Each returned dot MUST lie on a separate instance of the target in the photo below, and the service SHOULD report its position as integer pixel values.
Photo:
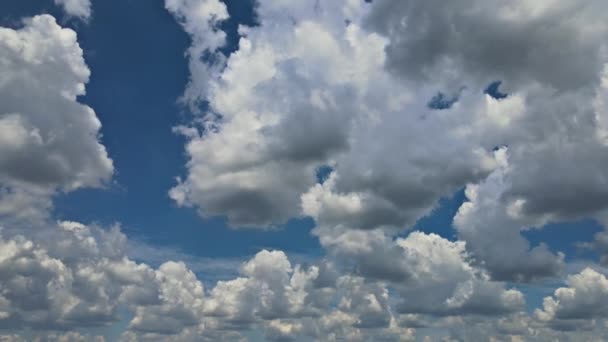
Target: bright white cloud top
(344, 84)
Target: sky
(269, 170)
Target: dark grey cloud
(492, 40)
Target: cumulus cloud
(43, 74)
(180, 297)
(551, 116)
(430, 274)
(286, 301)
(344, 85)
(60, 276)
(550, 42)
(599, 245)
(393, 157)
(356, 98)
(492, 231)
(79, 276)
(76, 8)
(201, 19)
(578, 305)
(254, 156)
(65, 276)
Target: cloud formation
(356, 97)
(578, 305)
(252, 157)
(346, 86)
(48, 140)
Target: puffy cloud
(577, 305)
(21, 204)
(269, 288)
(76, 8)
(254, 156)
(492, 231)
(430, 274)
(66, 276)
(444, 281)
(277, 330)
(360, 92)
(315, 85)
(552, 118)
(180, 299)
(287, 302)
(547, 130)
(599, 245)
(551, 42)
(364, 112)
(43, 73)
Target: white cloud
(66, 276)
(43, 73)
(278, 330)
(557, 43)
(355, 97)
(256, 156)
(201, 19)
(578, 305)
(76, 8)
(344, 84)
(429, 274)
(444, 282)
(552, 120)
(181, 299)
(492, 231)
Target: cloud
(66, 276)
(211, 268)
(444, 282)
(429, 274)
(61, 276)
(254, 156)
(181, 298)
(557, 123)
(552, 64)
(375, 68)
(517, 42)
(39, 152)
(344, 85)
(576, 306)
(201, 20)
(492, 231)
(365, 112)
(76, 8)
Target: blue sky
(397, 181)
